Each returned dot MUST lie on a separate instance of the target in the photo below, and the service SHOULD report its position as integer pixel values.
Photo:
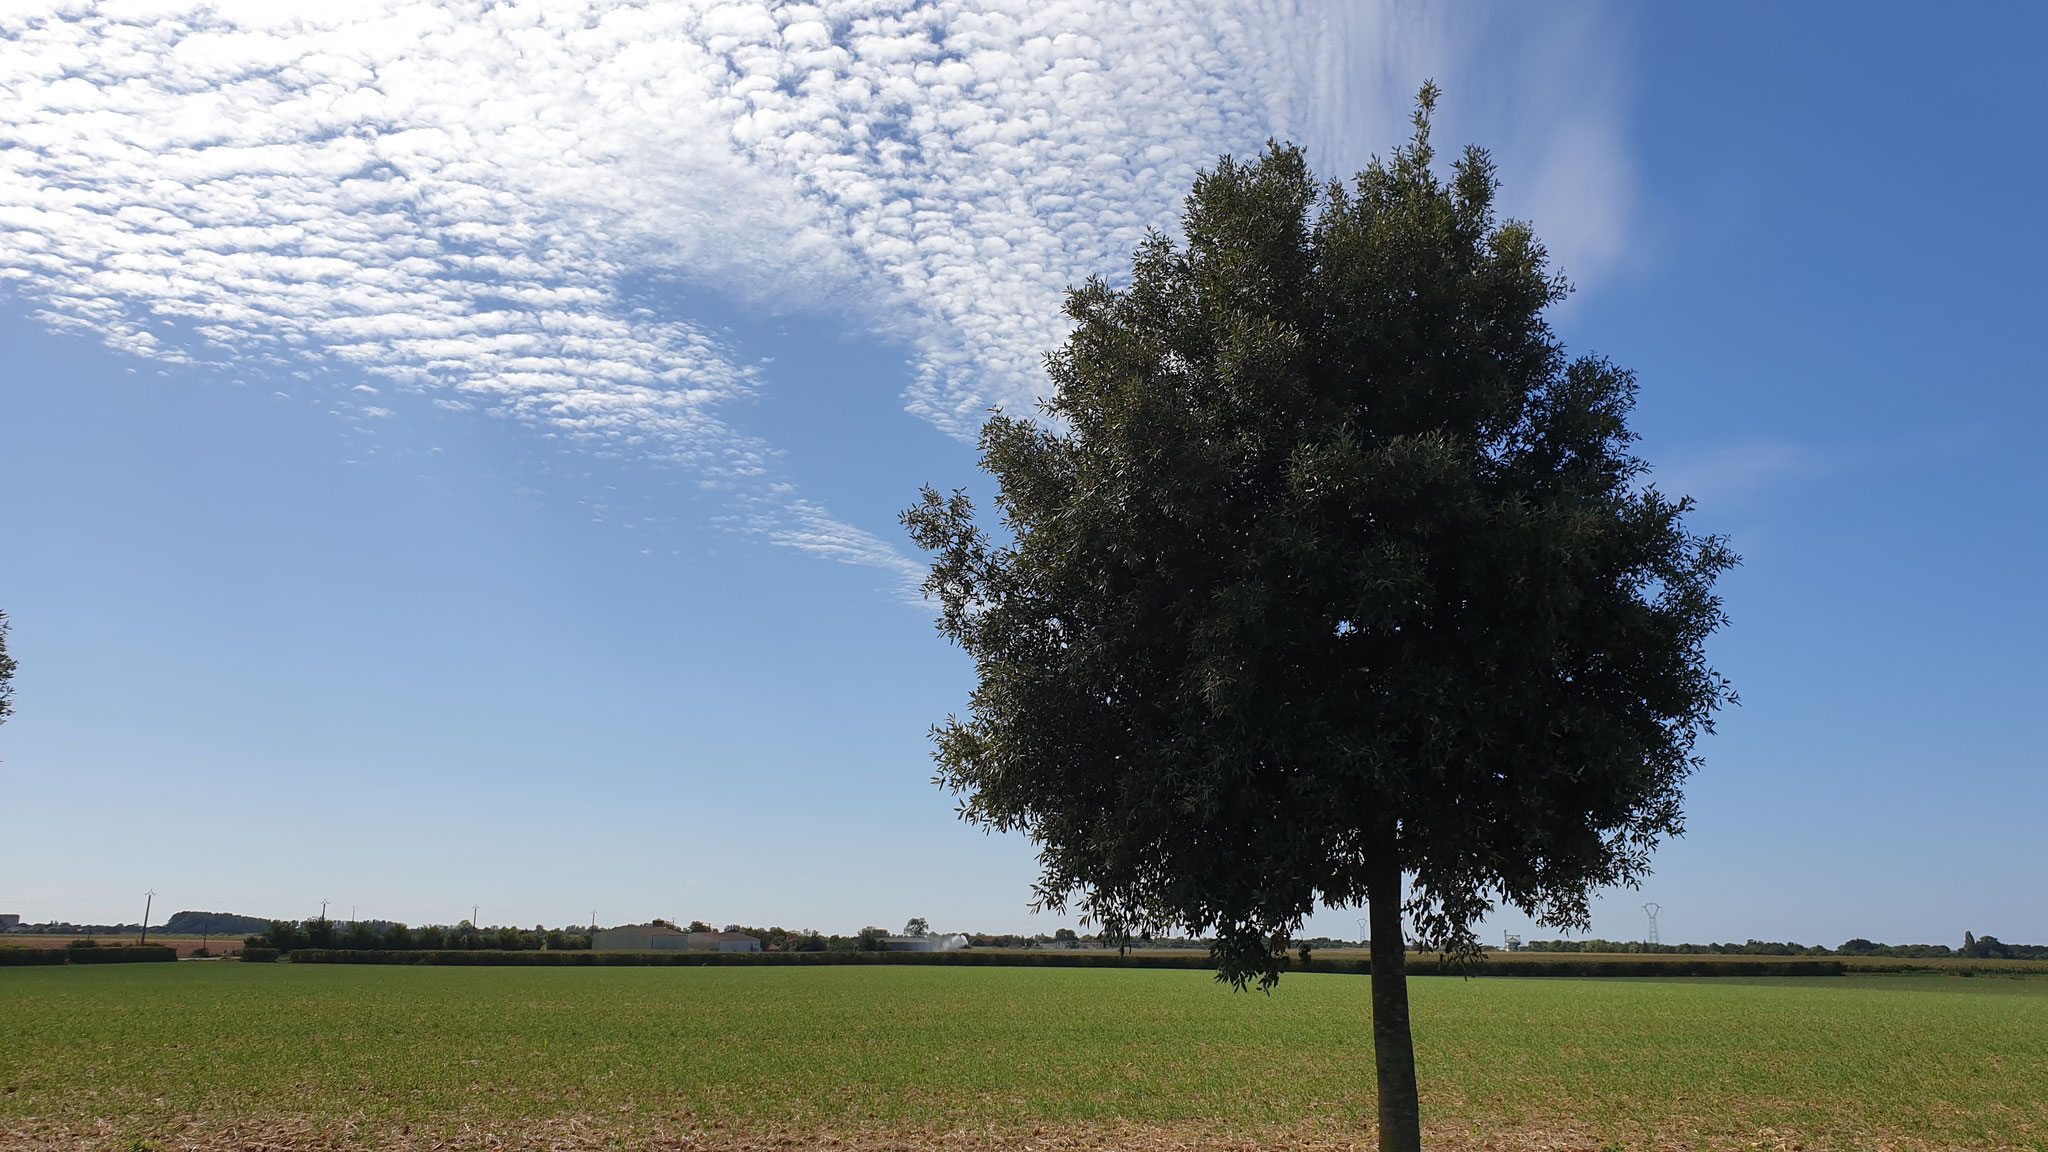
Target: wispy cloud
(1732, 472)
(1545, 88)
(450, 195)
(788, 520)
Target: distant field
(232, 1055)
(186, 945)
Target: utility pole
(147, 901)
(323, 908)
(351, 915)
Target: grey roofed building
(639, 938)
(663, 938)
(9, 920)
(723, 942)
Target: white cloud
(452, 195)
(1545, 88)
(1731, 473)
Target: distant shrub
(122, 954)
(89, 954)
(256, 954)
(283, 935)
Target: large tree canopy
(1329, 567)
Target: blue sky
(451, 454)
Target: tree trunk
(1393, 1045)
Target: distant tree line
(871, 938)
(1974, 948)
(868, 939)
(67, 928)
(1637, 947)
(211, 924)
(319, 932)
(1991, 948)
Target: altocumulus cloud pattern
(452, 196)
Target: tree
(284, 935)
(1329, 572)
(1985, 948)
(7, 667)
(918, 926)
(318, 932)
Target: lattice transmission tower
(1651, 911)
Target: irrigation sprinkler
(1651, 911)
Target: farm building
(662, 938)
(723, 942)
(9, 920)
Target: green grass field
(1856, 1062)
